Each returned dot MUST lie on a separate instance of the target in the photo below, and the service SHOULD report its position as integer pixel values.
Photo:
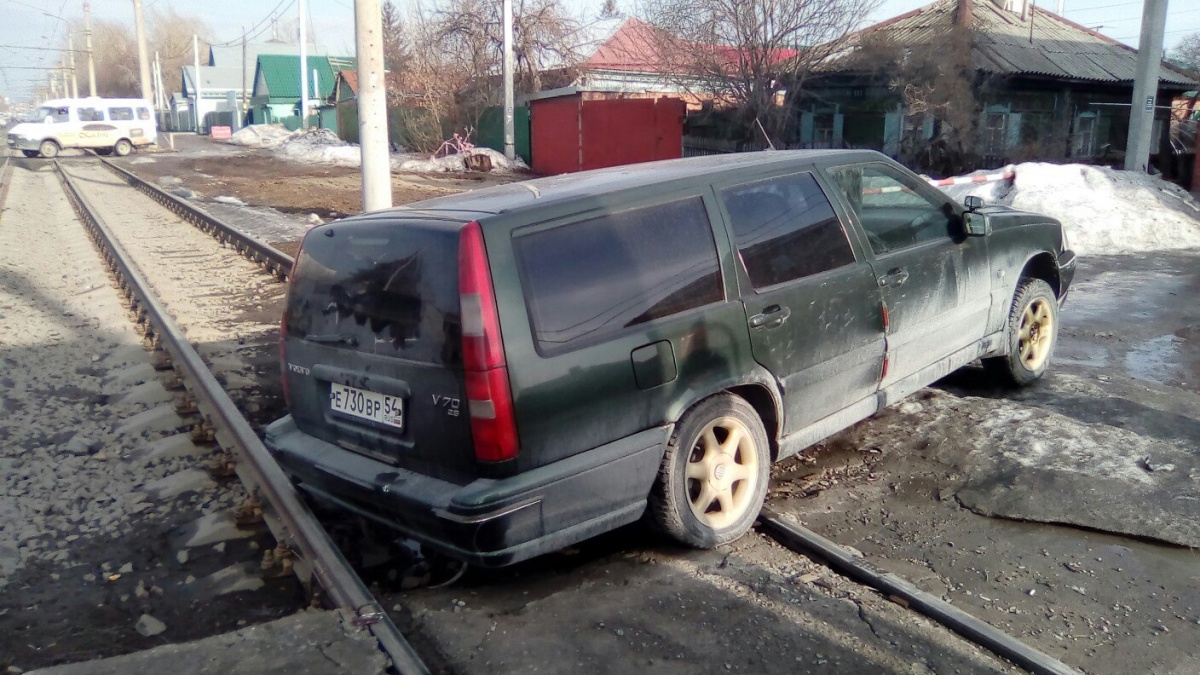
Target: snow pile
(458, 163)
(319, 146)
(322, 146)
(260, 136)
(1104, 211)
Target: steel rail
(276, 261)
(802, 540)
(257, 469)
(5, 177)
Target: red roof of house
(633, 46)
(351, 78)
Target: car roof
(521, 195)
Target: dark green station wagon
(505, 372)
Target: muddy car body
(507, 371)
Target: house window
(995, 133)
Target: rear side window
(590, 279)
(90, 114)
(143, 113)
(785, 229)
(120, 114)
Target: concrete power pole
(372, 106)
(196, 81)
(71, 57)
(303, 68)
(509, 133)
(87, 32)
(1145, 86)
(139, 25)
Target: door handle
(895, 277)
(772, 316)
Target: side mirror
(972, 202)
(976, 224)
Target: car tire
(122, 148)
(1031, 334)
(30, 153)
(48, 149)
(711, 486)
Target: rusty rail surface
(290, 520)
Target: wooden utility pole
(87, 32)
(139, 25)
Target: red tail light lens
(489, 399)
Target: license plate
(368, 405)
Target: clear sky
(36, 23)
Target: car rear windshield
(587, 280)
(387, 287)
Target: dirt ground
(213, 169)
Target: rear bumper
(487, 522)
(1067, 262)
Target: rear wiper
(333, 339)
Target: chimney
(1024, 10)
(962, 15)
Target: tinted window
(589, 279)
(90, 114)
(785, 229)
(54, 114)
(120, 114)
(894, 213)
(380, 286)
(143, 113)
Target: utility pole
(1145, 86)
(509, 134)
(243, 115)
(139, 25)
(53, 86)
(87, 32)
(303, 68)
(372, 106)
(71, 56)
(196, 81)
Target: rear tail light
(489, 399)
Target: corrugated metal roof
(231, 56)
(281, 73)
(1043, 44)
(214, 81)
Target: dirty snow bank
(323, 147)
(1104, 211)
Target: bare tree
(395, 51)
(1187, 52)
(115, 50)
(753, 55)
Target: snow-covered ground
(322, 146)
(1104, 211)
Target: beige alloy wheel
(1036, 335)
(722, 473)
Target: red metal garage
(574, 130)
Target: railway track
(291, 522)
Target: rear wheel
(713, 478)
(1031, 334)
(30, 153)
(48, 149)
(122, 148)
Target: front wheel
(122, 148)
(713, 478)
(1031, 333)
(48, 149)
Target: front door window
(895, 212)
